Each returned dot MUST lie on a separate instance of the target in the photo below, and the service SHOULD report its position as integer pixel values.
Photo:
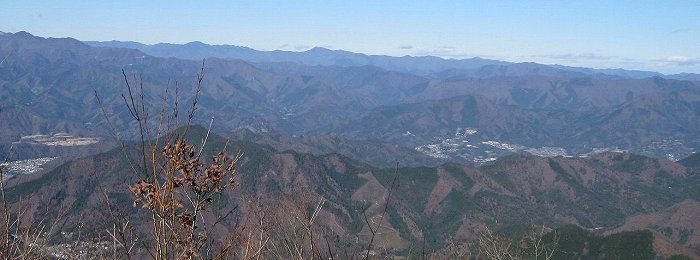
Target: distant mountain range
(420, 65)
(48, 84)
(315, 57)
(332, 123)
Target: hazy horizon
(633, 35)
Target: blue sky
(649, 35)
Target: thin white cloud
(444, 52)
(678, 60)
(406, 47)
(573, 56)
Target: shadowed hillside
(435, 203)
(49, 83)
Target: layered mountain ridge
(450, 201)
(48, 84)
(421, 65)
(480, 143)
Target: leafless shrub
(535, 247)
(175, 185)
(531, 246)
(19, 238)
(289, 226)
(375, 229)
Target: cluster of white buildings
(28, 166)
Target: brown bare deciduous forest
(122, 150)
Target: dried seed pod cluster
(182, 187)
